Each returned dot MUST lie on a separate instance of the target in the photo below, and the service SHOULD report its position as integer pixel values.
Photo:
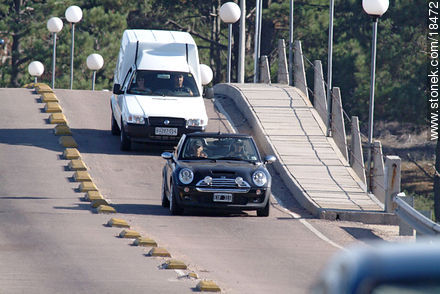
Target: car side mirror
(209, 93)
(167, 155)
(117, 89)
(269, 159)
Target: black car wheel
(125, 140)
(165, 201)
(115, 129)
(175, 209)
(265, 210)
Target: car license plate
(165, 131)
(222, 197)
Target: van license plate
(165, 131)
(222, 197)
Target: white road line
(306, 224)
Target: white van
(157, 92)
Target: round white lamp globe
(375, 7)
(73, 14)
(230, 12)
(36, 68)
(95, 61)
(206, 74)
(54, 24)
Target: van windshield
(163, 83)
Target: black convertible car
(216, 170)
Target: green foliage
(401, 61)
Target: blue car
(383, 268)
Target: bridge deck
(294, 129)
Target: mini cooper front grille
(223, 185)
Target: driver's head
(178, 80)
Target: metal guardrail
(415, 219)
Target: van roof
(159, 36)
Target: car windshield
(163, 83)
(220, 148)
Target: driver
(178, 85)
(198, 151)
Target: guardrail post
(264, 70)
(392, 180)
(378, 182)
(299, 73)
(404, 228)
(319, 98)
(283, 73)
(338, 125)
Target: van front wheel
(125, 140)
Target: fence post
(392, 180)
(299, 78)
(319, 98)
(264, 70)
(338, 125)
(378, 172)
(283, 73)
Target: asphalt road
(52, 242)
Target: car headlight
(186, 176)
(195, 122)
(135, 119)
(259, 178)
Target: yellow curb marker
(53, 107)
(159, 251)
(208, 286)
(106, 209)
(117, 222)
(93, 195)
(62, 130)
(146, 242)
(87, 186)
(68, 141)
(58, 118)
(77, 164)
(96, 203)
(49, 97)
(193, 275)
(129, 234)
(175, 264)
(82, 176)
(71, 153)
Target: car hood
(187, 107)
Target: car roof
(218, 135)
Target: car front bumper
(240, 201)
(146, 133)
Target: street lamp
(375, 8)
(54, 25)
(94, 62)
(229, 13)
(73, 15)
(35, 69)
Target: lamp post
(35, 69)
(241, 43)
(94, 62)
(329, 69)
(73, 15)
(229, 13)
(258, 16)
(375, 8)
(54, 25)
